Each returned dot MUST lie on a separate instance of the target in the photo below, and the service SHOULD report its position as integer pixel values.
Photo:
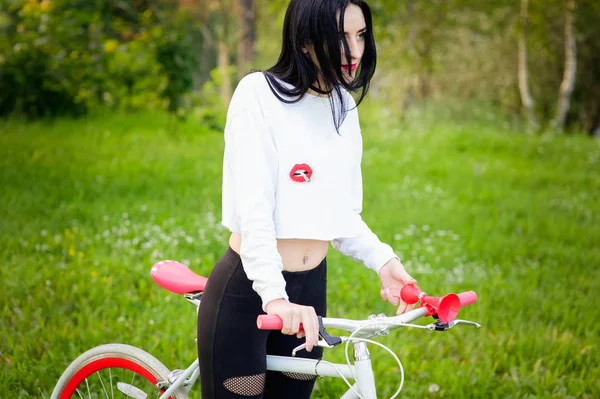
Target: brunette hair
(321, 23)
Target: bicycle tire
(108, 357)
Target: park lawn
(88, 205)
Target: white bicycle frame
(361, 371)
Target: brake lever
(328, 341)
(439, 326)
(322, 343)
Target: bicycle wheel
(113, 370)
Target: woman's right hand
(292, 316)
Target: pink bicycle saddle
(177, 277)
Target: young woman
(291, 184)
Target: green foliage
(468, 203)
(209, 108)
(61, 57)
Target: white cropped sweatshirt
(287, 173)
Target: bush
(61, 57)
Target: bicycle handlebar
(467, 298)
(270, 322)
(367, 327)
(274, 322)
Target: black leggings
(232, 350)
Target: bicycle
(85, 374)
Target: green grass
(87, 206)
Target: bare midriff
(297, 254)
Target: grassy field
(87, 206)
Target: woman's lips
(351, 68)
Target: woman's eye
(361, 36)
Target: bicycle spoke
(112, 392)
(132, 378)
(88, 387)
(79, 393)
(102, 383)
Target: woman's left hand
(393, 277)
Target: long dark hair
(316, 22)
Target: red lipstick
(351, 68)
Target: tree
(568, 82)
(526, 98)
(247, 36)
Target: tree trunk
(247, 36)
(223, 58)
(526, 98)
(568, 82)
(223, 62)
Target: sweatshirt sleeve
(364, 246)
(254, 165)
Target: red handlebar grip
(467, 298)
(268, 322)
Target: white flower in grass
(434, 388)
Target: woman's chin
(349, 77)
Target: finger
(301, 334)
(287, 324)
(383, 294)
(391, 298)
(295, 326)
(407, 279)
(401, 308)
(315, 321)
(311, 328)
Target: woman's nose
(354, 49)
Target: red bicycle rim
(97, 365)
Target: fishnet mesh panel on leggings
(298, 376)
(250, 385)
